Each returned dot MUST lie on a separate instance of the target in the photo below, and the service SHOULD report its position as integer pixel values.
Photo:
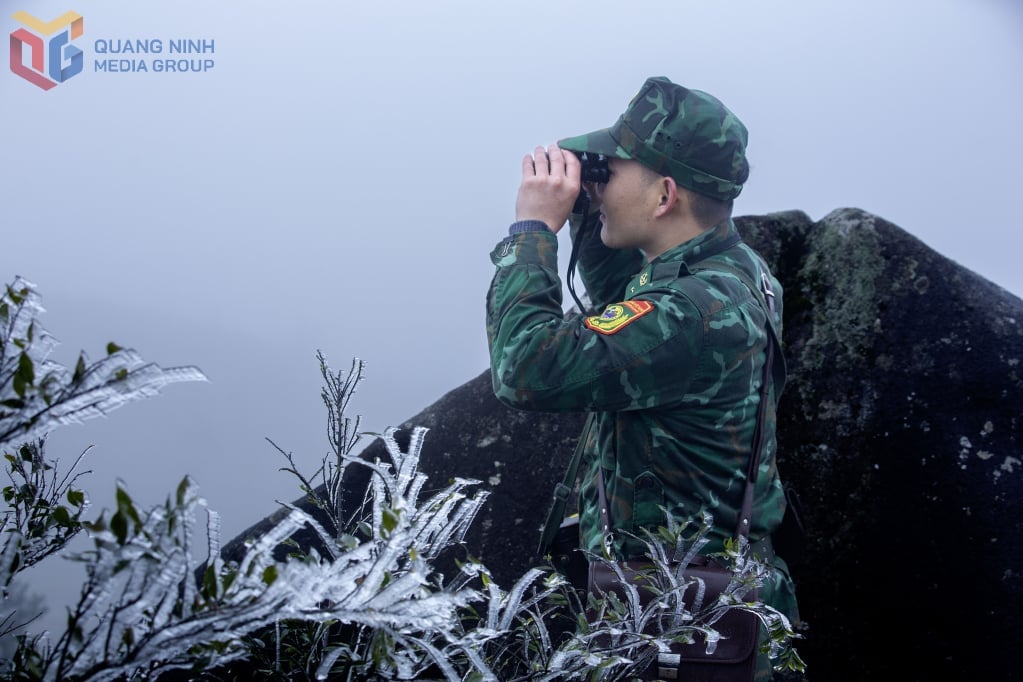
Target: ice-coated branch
(37, 394)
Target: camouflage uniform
(672, 367)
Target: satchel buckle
(668, 665)
(561, 492)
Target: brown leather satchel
(733, 657)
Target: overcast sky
(337, 178)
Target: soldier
(670, 363)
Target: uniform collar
(674, 261)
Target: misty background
(338, 179)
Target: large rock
(900, 431)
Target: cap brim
(598, 142)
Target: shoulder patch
(617, 315)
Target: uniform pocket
(647, 502)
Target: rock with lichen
(901, 430)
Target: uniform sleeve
(605, 272)
(637, 354)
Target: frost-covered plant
(141, 611)
(42, 513)
(42, 509)
(343, 435)
(38, 394)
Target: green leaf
(112, 348)
(73, 628)
(269, 575)
(75, 497)
(62, 516)
(182, 489)
(390, 520)
(79, 369)
(209, 582)
(119, 526)
(26, 368)
(128, 638)
(121, 374)
(126, 506)
(97, 526)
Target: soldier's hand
(550, 185)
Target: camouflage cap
(675, 131)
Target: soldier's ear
(668, 197)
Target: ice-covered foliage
(41, 513)
(42, 508)
(38, 394)
(143, 611)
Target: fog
(336, 178)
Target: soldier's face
(627, 204)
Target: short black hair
(709, 211)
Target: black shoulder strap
(561, 492)
(773, 363)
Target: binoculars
(594, 167)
